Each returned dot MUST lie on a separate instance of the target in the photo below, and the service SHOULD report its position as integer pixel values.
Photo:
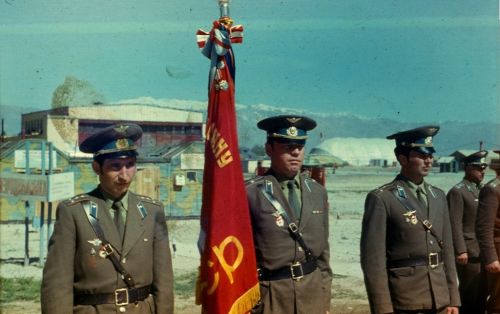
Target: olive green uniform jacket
(275, 248)
(462, 203)
(388, 234)
(488, 235)
(74, 266)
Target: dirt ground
(347, 189)
(342, 307)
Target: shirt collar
(109, 199)
(283, 181)
(414, 187)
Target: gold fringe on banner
(247, 301)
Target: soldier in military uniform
(462, 202)
(109, 252)
(406, 244)
(488, 235)
(289, 213)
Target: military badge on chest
(94, 250)
(411, 217)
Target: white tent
(359, 151)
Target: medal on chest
(280, 222)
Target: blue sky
(412, 60)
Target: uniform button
(300, 249)
(124, 260)
(122, 309)
(146, 240)
(431, 242)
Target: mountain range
(453, 135)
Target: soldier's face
(116, 175)
(475, 173)
(286, 159)
(416, 165)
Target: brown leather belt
(433, 260)
(119, 297)
(295, 271)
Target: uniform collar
(472, 184)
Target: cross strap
(400, 194)
(293, 229)
(106, 246)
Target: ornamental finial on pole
(224, 13)
(224, 7)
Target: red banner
(227, 280)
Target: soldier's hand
(462, 259)
(452, 310)
(493, 267)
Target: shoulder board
(76, 199)
(148, 199)
(459, 185)
(384, 187)
(254, 180)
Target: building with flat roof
(67, 127)
(170, 162)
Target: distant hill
(453, 135)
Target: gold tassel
(247, 301)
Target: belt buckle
(295, 266)
(293, 227)
(433, 260)
(119, 293)
(107, 249)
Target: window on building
(191, 176)
(193, 130)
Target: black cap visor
(119, 154)
(424, 150)
(284, 140)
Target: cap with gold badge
(287, 128)
(114, 141)
(476, 159)
(418, 139)
(495, 162)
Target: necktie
(118, 218)
(293, 198)
(421, 197)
